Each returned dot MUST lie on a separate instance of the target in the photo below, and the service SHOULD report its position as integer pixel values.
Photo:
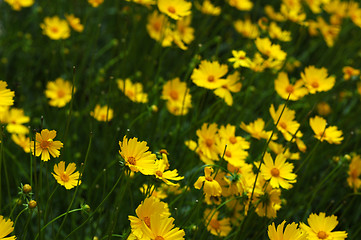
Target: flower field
(179, 119)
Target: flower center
(54, 29)
(130, 93)
(209, 178)
(64, 177)
(315, 85)
(322, 235)
(233, 139)
(228, 154)
(209, 142)
(131, 160)
(354, 174)
(159, 238)
(283, 125)
(61, 93)
(211, 78)
(215, 224)
(157, 26)
(174, 95)
(241, 57)
(290, 89)
(46, 144)
(147, 221)
(171, 9)
(275, 172)
(159, 173)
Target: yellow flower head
(239, 59)
(166, 175)
(207, 136)
(284, 88)
(66, 177)
(45, 144)
(323, 108)
(256, 129)
(269, 201)
(217, 227)
(162, 228)
(18, 4)
(292, 232)
(276, 32)
(175, 9)
(317, 80)
(331, 134)
(208, 8)
(321, 227)
(246, 28)
(211, 186)
(22, 141)
(354, 173)
(242, 5)
(6, 227)
(133, 91)
(137, 157)
(55, 28)
(272, 51)
(102, 114)
(178, 97)
(184, 30)
(59, 92)
(158, 28)
(74, 22)
(209, 74)
(95, 3)
(6, 96)
(15, 118)
(146, 3)
(349, 72)
(231, 84)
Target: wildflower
(184, 30)
(239, 59)
(74, 22)
(59, 92)
(229, 134)
(207, 140)
(242, 5)
(66, 177)
(102, 114)
(193, 146)
(32, 204)
(95, 3)
(158, 28)
(6, 227)
(349, 72)
(55, 28)
(234, 153)
(216, 227)
(44, 145)
(279, 149)
(293, 13)
(210, 186)
(279, 172)
(276, 32)
(329, 32)
(6, 96)
(163, 228)
(273, 51)
(18, 4)
(246, 28)
(159, 193)
(27, 188)
(177, 95)
(323, 108)
(256, 129)
(316, 80)
(331, 134)
(22, 141)
(231, 84)
(272, 14)
(354, 173)
(133, 91)
(286, 90)
(137, 157)
(175, 9)
(292, 232)
(209, 74)
(164, 175)
(269, 202)
(321, 227)
(208, 8)
(15, 118)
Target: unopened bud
(32, 204)
(27, 188)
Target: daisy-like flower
(323, 108)
(134, 91)
(317, 80)
(66, 177)
(239, 59)
(279, 172)
(354, 173)
(184, 30)
(256, 129)
(22, 141)
(146, 3)
(284, 88)
(59, 92)
(15, 118)
(162, 228)
(349, 72)
(276, 32)
(18, 4)
(268, 200)
(208, 8)
(273, 51)
(55, 28)
(278, 149)
(44, 145)
(207, 136)
(177, 95)
(175, 9)
(246, 28)
(102, 114)
(74, 22)
(95, 3)
(6, 227)
(6, 96)
(231, 84)
(321, 227)
(331, 134)
(137, 157)
(217, 227)
(242, 5)
(291, 232)
(158, 28)
(166, 175)
(210, 186)
(209, 74)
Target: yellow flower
(292, 232)
(207, 136)
(133, 91)
(208, 8)
(177, 95)
(279, 172)
(102, 114)
(284, 88)
(317, 80)
(137, 157)
(184, 30)
(175, 9)
(239, 59)
(55, 28)
(74, 22)
(164, 175)
(269, 201)
(256, 129)
(321, 227)
(210, 186)
(272, 14)
(14, 119)
(323, 108)
(59, 92)
(6, 227)
(276, 32)
(231, 84)
(354, 173)
(159, 192)
(209, 74)
(95, 3)
(66, 177)
(279, 149)
(242, 5)
(331, 134)
(18, 4)
(22, 141)
(6, 96)
(216, 227)
(329, 32)
(273, 51)
(44, 145)
(349, 72)
(234, 154)
(293, 13)
(193, 146)
(158, 28)
(246, 28)
(162, 228)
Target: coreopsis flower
(331, 134)
(239, 59)
(228, 133)
(175, 9)
(272, 51)
(134, 91)
(184, 30)
(18, 4)
(286, 90)
(231, 84)
(280, 149)
(178, 97)
(269, 201)
(15, 118)
(279, 172)
(275, 32)
(74, 22)
(207, 136)
(291, 232)
(323, 108)
(66, 177)
(44, 144)
(217, 227)
(209, 74)
(233, 153)
(349, 72)
(163, 228)
(193, 146)
(328, 31)
(158, 28)
(95, 3)
(55, 28)
(22, 141)
(102, 114)
(6, 95)
(242, 5)
(246, 28)
(137, 157)
(272, 14)
(354, 173)
(354, 12)
(293, 13)
(256, 129)
(208, 8)
(321, 227)
(6, 227)
(59, 92)
(317, 80)
(166, 175)
(210, 186)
